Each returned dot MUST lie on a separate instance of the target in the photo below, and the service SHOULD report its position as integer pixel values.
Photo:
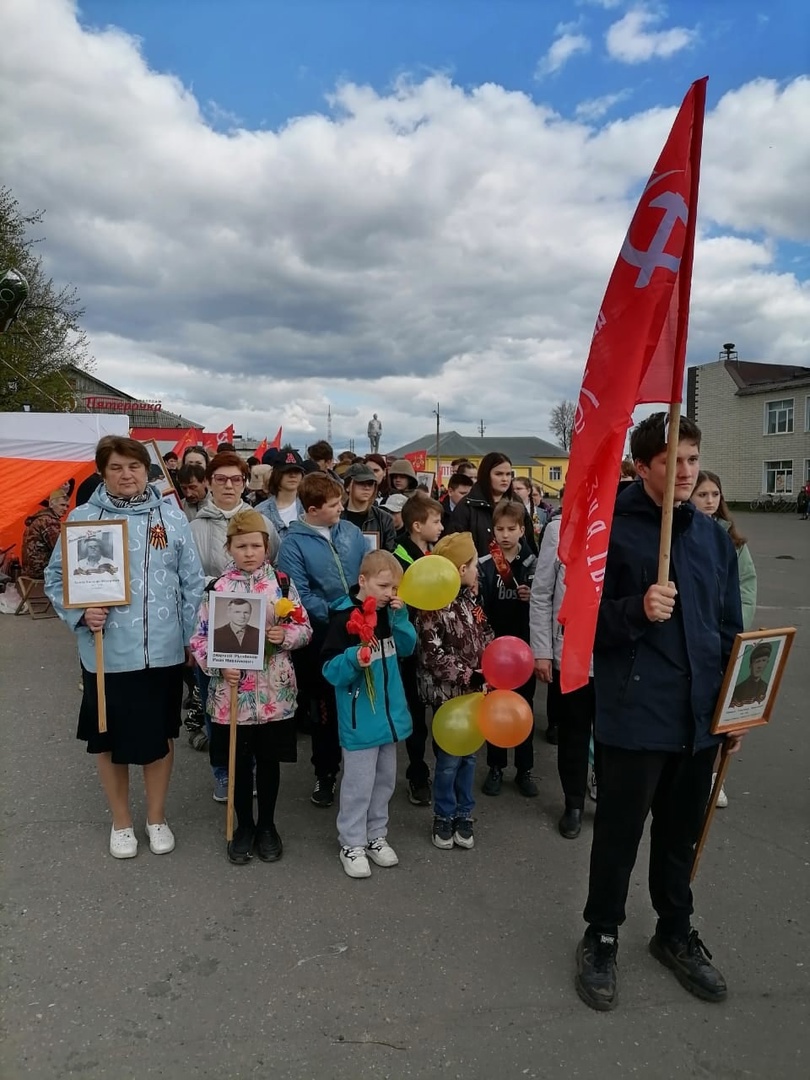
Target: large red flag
(637, 356)
(226, 435)
(188, 438)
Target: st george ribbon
(637, 357)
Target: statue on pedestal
(374, 433)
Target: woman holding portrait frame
(145, 640)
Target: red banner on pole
(418, 458)
(276, 443)
(261, 449)
(637, 356)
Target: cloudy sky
(378, 206)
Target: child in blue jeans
(451, 642)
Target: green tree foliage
(47, 337)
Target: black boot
(688, 958)
(269, 847)
(597, 977)
(240, 849)
(570, 824)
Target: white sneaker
(355, 862)
(161, 838)
(381, 852)
(123, 843)
(722, 798)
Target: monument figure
(374, 433)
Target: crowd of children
(360, 669)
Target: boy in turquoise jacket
(368, 631)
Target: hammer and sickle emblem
(675, 209)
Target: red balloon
(507, 663)
(505, 718)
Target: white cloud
(631, 41)
(426, 244)
(566, 46)
(595, 108)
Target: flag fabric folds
(637, 356)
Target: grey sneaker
(220, 790)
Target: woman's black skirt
(143, 713)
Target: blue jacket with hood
(657, 684)
(322, 570)
(362, 725)
(166, 585)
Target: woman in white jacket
(575, 711)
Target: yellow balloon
(455, 725)
(430, 583)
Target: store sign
(111, 404)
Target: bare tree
(561, 423)
(47, 337)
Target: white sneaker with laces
(722, 798)
(123, 843)
(381, 852)
(161, 838)
(355, 862)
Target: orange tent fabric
(38, 453)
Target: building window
(807, 470)
(807, 414)
(555, 472)
(779, 417)
(778, 477)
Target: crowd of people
(344, 659)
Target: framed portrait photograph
(158, 473)
(95, 563)
(752, 679)
(371, 540)
(425, 480)
(236, 623)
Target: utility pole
(438, 413)
(482, 427)
(351, 445)
(329, 424)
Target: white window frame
(807, 470)
(807, 413)
(777, 466)
(555, 473)
(788, 407)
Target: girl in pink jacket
(266, 699)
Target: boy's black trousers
(630, 785)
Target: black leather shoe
(688, 958)
(493, 782)
(269, 847)
(597, 978)
(240, 849)
(526, 785)
(570, 824)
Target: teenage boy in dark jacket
(659, 657)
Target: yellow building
(531, 456)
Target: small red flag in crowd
(637, 356)
(188, 438)
(261, 449)
(276, 443)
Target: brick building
(755, 420)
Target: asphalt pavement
(454, 964)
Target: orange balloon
(505, 718)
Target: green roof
(520, 448)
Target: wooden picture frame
(95, 563)
(752, 679)
(371, 540)
(158, 473)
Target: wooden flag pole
(100, 688)
(725, 761)
(668, 505)
(231, 765)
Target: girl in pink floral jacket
(266, 699)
